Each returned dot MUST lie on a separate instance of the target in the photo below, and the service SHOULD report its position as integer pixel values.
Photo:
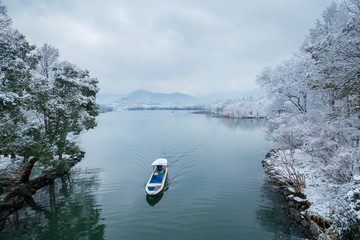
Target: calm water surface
(216, 187)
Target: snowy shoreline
(322, 201)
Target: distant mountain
(146, 100)
(142, 97)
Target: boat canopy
(160, 161)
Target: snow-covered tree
(240, 108)
(316, 102)
(16, 62)
(334, 46)
(316, 93)
(73, 106)
(49, 57)
(44, 103)
(43, 83)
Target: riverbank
(322, 205)
(228, 115)
(14, 198)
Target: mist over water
(216, 187)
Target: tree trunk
(46, 122)
(27, 172)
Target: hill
(142, 97)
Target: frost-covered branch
(43, 102)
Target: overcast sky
(189, 46)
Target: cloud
(182, 45)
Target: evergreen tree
(73, 107)
(43, 103)
(16, 62)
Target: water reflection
(243, 123)
(153, 200)
(273, 214)
(66, 209)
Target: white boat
(157, 179)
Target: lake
(216, 186)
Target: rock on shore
(313, 224)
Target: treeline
(248, 107)
(316, 95)
(44, 102)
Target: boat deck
(157, 178)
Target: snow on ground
(353, 198)
(9, 167)
(4, 162)
(321, 192)
(329, 198)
